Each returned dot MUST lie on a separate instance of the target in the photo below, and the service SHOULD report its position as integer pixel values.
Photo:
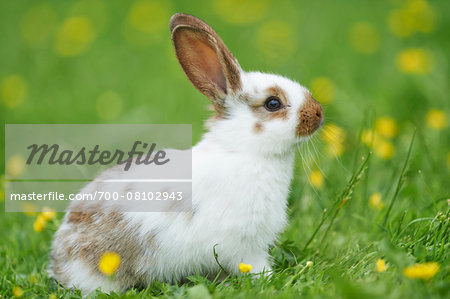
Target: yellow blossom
(316, 179)
(148, 16)
(29, 209)
(48, 213)
(376, 202)
(109, 263)
(368, 137)
(322, 90)
(436, 119)
(74, 36)
(384, 149)
(386, 127)
(334, 136)
(39, 224)
(423, 271)
(245, 268)
(38, 24)
(335, 150)
(17, 292)
(13, 91)
(401, 23)
(414, 16)
(364, 38)
(424, 15)
(146, 22)
(332, 133)
(381, 265)
(241, 12)
(15, 166)
(52, 296)
(415, 61)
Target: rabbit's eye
(273, 104)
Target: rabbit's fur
(241, 169)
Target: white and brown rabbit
(241, 173)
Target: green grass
(333, 226)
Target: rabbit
(241, 174)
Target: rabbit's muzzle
(310, 117)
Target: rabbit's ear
(205, 59)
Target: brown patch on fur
(258, 127)
(282, 113)
(109, 232)
(204, 58)
(311, 116)
(278, 92)
(81, 217)
(258, 109)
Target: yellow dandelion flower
(15, 166)
(276, 40)
(37, 24)
(335, 150)
(316, 179)
(39, 224)
(241, 12)
(436, 119)
(381, 266)
(422, 15)
(335, 137)
(109, 263)
(415, 16)
(364, 38)
(48, 213)
(148, 16)
(13, 91)
(333, 134)
(245, 268)
(423, 271)
(386, 127)
(368, 137)
(322, 90)
(17, 292)
(94, 10)
(376, 202)
(400, 23)
(33, 278)
(146, 22)
(415, 61)
(384, 149)
(74, 36)
(109, 105)
(29, 209)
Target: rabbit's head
(260, 112)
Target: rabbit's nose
(310, 117)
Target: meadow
(369, 203)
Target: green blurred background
(380, 69)
(94, 61)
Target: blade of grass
(346, 195)
(400, 181)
